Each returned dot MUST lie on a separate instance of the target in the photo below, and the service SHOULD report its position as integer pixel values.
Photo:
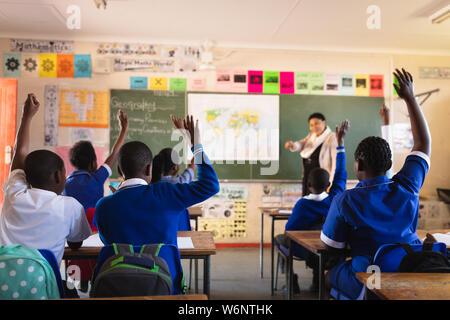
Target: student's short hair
(163, 162)
(317, 115)
(133, 157)
(40, 165)
(319, 179)
(82, 155)
(375, 153)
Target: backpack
(424, 261)
(26, 274)
(127, 274)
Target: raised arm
(22, 145)
(419, 126)
(123, 124)
(340, 174)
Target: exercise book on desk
(284, 211)
(185, 243)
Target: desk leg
(196, 223)
(321, 277)
(206, 275)
(272, 254)
(261, 246)
(290, 271)
(196, 275)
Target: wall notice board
(149, 122)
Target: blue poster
(82, 65)
(11, 65)
(138, 83)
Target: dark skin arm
(384, 114)
(21, 148)
(123, 123)
(419, 126)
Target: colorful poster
(126, 49)
(346, 84)
(63, 152)
(239, 82)
(159, 83)
(331, 83)
(362, 86)
(48, 46)
(65, 68)
(197, 84)
(11, 65)
(271, 82)
(188, 58)
(316, 83)
(30, 67)
(287, 84)
(224, 80)
(138, 83)
(302, 82)
(283, 195)
(82, 65)
(434, 72)
(255, 81)
(141, 65)
(178, 84)
(47, 65)
(51, 96)
(79, 134)
(376, 85)
(84, 108)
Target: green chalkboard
(149, 122)
(148, 115)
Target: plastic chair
(168, 252)
(50, 257)
(388, 258)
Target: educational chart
(51, 115)
(283, 195)
(225, 214)
(237, 127)
(83, 108)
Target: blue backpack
(26, 274)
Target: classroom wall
(436, 108)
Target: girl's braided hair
(375, 153)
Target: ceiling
(286, 24)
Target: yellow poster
(83, 108)
(47, 65)
(362, 85)
(158, 84)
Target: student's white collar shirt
(133, 182)
(39, 218)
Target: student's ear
(148, 170)
(389, 164)
(57, 177)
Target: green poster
(271, 82)
(178, 84)
(302, 82)
(316, 82)
(393, 88)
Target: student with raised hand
(34, 212)
(310, 211)
(141, 213)
(86, 183)
(378, 210)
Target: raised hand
(384, 114)
(123, 120)
(31, 106)
(405, 87)
(289, 145)
(341, 132)
(193, 129)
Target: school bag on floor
(423, 261)
(127, 274)
(26, 274)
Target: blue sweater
(310, 212)
(144, 214)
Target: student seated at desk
(165, 167)
(34, 212)
(142, 213)
(310, 211)
(378, 210)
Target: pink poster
(224, 80)
(255, 81)
(63, 152)
(240, 81)
(197, 84)
(287, 83)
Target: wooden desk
(273, 212)
(411, 286)
(171, 297)
(195, 212)
(204, 247)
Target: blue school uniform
(310, 211)
(184, 223)
(139, 213)
(87, 187)
(377, 211)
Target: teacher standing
(317, 150)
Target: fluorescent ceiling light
(440, 15)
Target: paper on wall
(51, 97)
